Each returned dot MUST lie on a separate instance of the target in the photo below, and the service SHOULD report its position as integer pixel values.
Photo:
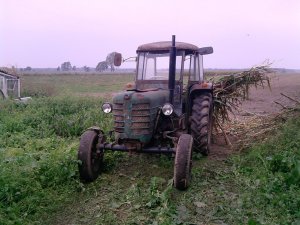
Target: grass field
(84, 84)
(76, 85)
(40, 183)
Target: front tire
(183, 162)
(201, 122)
(90, 158)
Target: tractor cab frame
(154, 61)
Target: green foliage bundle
(231, 90)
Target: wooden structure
(9, 85)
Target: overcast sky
(243, 33)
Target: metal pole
(172, 70)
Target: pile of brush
(231, 90)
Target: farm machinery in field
(167, 111)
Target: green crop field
(40, 183)
(97, 85)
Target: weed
(271, 187)
(38, 162)
(40, 184)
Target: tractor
(168, 110)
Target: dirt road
(262, 101)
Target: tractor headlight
(106, 107)
(167, 109)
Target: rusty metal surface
(146, 85)
(118, 115)
(140, 123)
(165, 46)
(135, 113)
(9, 73)
(201, 87)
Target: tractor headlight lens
(106, 107)
(167, 109)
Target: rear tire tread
(201, 122)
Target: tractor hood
(135, 113)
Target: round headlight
(106, 107)
(167, 109)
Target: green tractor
(168, 111)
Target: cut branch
(284, 107)
(231, 90)
(290, 98)
(224, 133)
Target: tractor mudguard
(96, 129)
(201, 87)
(197, 89)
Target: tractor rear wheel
(201, 122)
(183, 162)
(91, 158)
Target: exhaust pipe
(172, 70)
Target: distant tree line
(108, 63)
(101, 66)
(27, 68)
(66, 66)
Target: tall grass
(38, 145)
(37, 85)
(260, 186)
(270, 178)
(38, 172)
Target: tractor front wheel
(201, 122)
(90, 158)
(183, 162)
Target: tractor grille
(140, 122)
(118, 113)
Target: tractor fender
(200, 88)
(196, 89)
(96, 129)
